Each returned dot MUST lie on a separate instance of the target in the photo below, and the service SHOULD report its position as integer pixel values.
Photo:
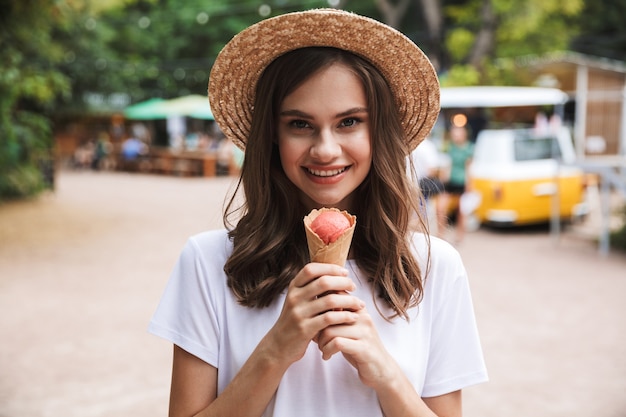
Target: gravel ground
(82, 269)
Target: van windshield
(530, 149)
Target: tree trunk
(392, 13)
(485, 39)
(433, 18)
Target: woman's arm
(447, 405)
(194, 386)
(399, 399)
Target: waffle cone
(335, 252)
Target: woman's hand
(317, 297)
(360, 344)
(306, 311)
(362, 347)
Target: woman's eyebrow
(352, 111)
(295, 112)
(302, 114)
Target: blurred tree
(393, 13)
(70, 54)
(602, 29)
(165, 48)
(433, 17)
(29, 84)
(483, 36)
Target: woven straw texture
(241, 62)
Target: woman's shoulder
(202, 260)
(436, 253)
(210, 237)
(424, 243)
(210, 243)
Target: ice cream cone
(335, 252)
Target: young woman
(327, 105)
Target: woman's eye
(299, 124)
(350, 122)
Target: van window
(530, 149)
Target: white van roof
(496, 145)
(490, 96)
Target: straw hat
(233, 79)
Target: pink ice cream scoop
(329, 225)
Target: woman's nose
(326, 147)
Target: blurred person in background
(84, 154)
(224, 156)
(102, 153)
(132, 152)
(460, 151)
(426, 163)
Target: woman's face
(458, 135)
(324, 137)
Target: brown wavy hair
(269, 239)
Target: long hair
(269, 239)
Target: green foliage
(155, 48)
(55, 54)
(26, 146)
(20, 175)
(522, 27)
(602, 29)
(535, 26)
(459, 42)
(460, 75)
(29, 86)
(22, 181)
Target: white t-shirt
(438, 348)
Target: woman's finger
(313, 270)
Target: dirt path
(81, 271)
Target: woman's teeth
(326, 173)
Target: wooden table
(183, 163)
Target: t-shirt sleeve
(186, 313)
(455, 358)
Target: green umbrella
(204, 113)
(147, 110)
(193, 105)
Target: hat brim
(238, 67)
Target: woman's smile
(326, 176)
(326, 172)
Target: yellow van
(520, 175)
(523, 177)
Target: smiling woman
(327, 105)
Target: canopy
(146, 110)
(487, 96)
(194, 105)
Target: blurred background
(72, 71)
(110, 158)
